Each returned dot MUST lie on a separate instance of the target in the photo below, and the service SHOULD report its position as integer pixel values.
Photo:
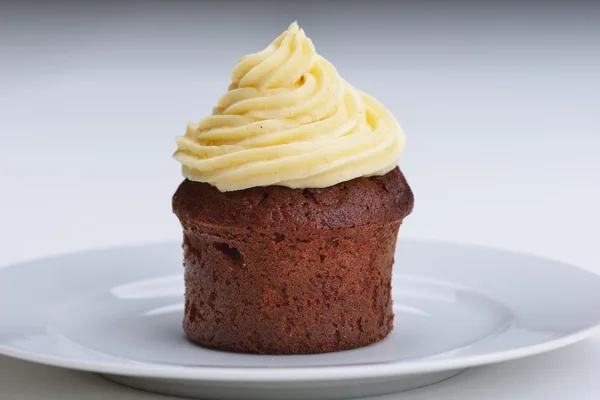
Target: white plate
(118, 312)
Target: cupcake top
(289, 119)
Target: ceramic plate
(118, 312)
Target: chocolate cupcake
(290, 209)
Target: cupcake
(290, 209)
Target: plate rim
(306, 374)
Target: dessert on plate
(290, 209)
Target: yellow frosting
(289, 119)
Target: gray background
(500, 102)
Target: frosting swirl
(289, 119)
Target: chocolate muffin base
(248, 292)
(291, 288)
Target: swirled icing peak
(289, 119)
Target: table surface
(501, 124)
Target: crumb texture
(312, 275)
